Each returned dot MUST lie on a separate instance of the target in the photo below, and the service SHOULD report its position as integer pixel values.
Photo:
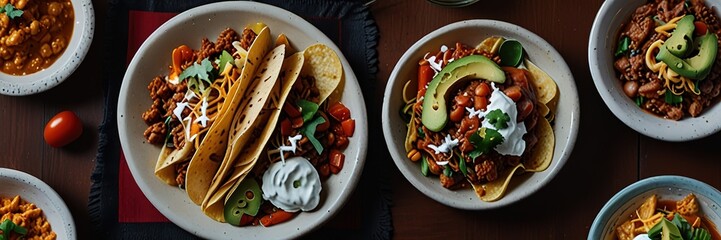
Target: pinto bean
(463, 101)
(480, 103)
(630, 88)
(457, 114)
(482, 90)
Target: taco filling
(189, 100)
(473, 122)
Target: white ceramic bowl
(35, 191)
(65, 65)
(153, 58)
(472, 32)
(625, 202)
(602, 43)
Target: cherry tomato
(337, 159)
(425, 75)
(700, 28)
(63, 129)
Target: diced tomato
(180, 55)
(348, 127)
(339, 111)
(337, 159)
(246, 219)
(285, 127)
(325, 125)
(291, 110)
(279, 216)
(425, 75)
(513, 92)
(700, 29)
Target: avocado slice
(680, 42)
(697, 66)
(434, 115)
(669, 230)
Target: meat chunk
(639, 31)
(155, 134)
(670, 10)
(247, 38)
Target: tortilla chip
(546, 88)
(542, 153)
(209, 155)
(494, 190)
(490, 44)
(323, 64)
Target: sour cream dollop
(293, 185)
(642, 237)
(513, 143)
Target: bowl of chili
(42, 43)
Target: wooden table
(608, 155)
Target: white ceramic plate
(625, 202)
(35, 191)
(602, 43)
(153, 59)
(65, 65)
(472, 32)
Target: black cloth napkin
(359, 39)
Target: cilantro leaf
(462, 165)
(498, 118)
(307, 109)
(309, 131)
(11, 11)
(8, 227)
(225, 58)
(484, 141)
(198, 70)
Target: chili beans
(37, 38)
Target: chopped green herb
(11, 11)
(198, 70)
(640, 100)
(307, 109)
(683, 226)
(700, 234)
(622, 46)
(8, 227)
(484, 141)
(225, 58)
(498, 118)
(671, 98)
(421, 134)
(424, 166)
(309, 131)
(447, 171)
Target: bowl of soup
(672, 205)
(42, 42)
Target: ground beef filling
(163, 125)
(644, 86)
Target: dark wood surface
(607, 157)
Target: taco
(318, 72)
(192, 100)
(258, 78)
